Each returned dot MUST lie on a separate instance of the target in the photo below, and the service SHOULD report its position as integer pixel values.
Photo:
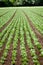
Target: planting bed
(21, 36)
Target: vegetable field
(21, 36)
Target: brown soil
(30, 62)
(37, 13)
(9, 56)
(18, 58)
(37, 51)
(4, 26)
(2, 49)
(3, 14)
(39, 36)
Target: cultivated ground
(21, 36)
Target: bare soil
(18, 57)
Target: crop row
(4, 19)
(37, 10)
(10, 32)
(29, 31)
(20, 30)
(36, 20)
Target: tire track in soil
(36, 13)
(4, 26)
(37, 51)
(3, 14)
(39, 36)
(18, 57)
(30, 62)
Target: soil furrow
(30, 62)
(39, 36)
(4, 26)
(2, 49)
(3, 14)
(8, 58)
(37, 51)
(9, 55)
(5, 33)
(18, 58)
(4, 44)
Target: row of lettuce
(35, 16)
(5, 16)
(17, 28)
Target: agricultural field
(21, 36)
